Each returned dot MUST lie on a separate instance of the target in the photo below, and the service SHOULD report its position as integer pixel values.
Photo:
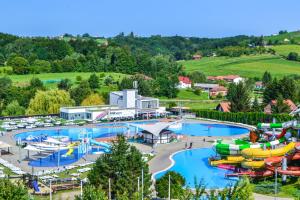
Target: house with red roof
(290, 103)
(224, 106)
(218, 90)
(184, 82)
(227, 78)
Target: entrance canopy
(155, 128)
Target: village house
(259, 85)
(197, 57)
(290, 103)
(219, 90)
(223, 106)
(184, 82)
(227, 78)
(205, 86)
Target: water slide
(255, 174)
(260, 153)
(237, 146)
(35, 186)
(284, 125)
(70, 149)
(228, 160)
(102, 144)
(253, 164)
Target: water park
(61, 156)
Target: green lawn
(189, 95)
(246, 66)
(295, 35)
(286, 49)
(51, 79)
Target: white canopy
(53, 141)
(156, 128)
(32, 148)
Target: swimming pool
(193, 164)
(112, 129)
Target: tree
(280, 106)
(198, 77)
(93, 99)
(239, 97)
(92, 193)
(108, 80)
(41, 66)
(267, 78)
(64, 84)
(177, 184)
(293, 56)
(80, 92)
(11, 191)
(14, 109)
(49, 102)
(271, 91)
(94, 81)
(2, 60)
(144, 86)
(123, 165)
(288, 88)
(19, 65)
(256, 107)
(36, 83)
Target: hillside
(295, 36)
(246, 66)
(284, 50)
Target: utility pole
(275, 183)
(50, 189)
(81, 191)
(109, 189)
(142, 184)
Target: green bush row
(251, 118)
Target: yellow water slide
(71, 149)
(228, 160)
(251, 164)
(261, 154)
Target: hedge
(251, 118)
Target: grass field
(284, 50)
(189, 95)
(246, 66)
(51, 79)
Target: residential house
(290, 103)
(219, 90)
(259, 85)
(184, 82)
(205, 86)
(227, 78)
(197, 57)
(223, 106)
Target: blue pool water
(200, 129)
(112, 129)
(52, 160)
(194, 163)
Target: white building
(184, 82)
(126, 104)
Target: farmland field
(286, 49)
(51, 79)
(246, 66)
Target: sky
(200, 18)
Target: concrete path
(264, 197)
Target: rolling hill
(246, 66)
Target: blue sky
(202, 18)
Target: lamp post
(81, 190)
(142, 184)
(50, 189)
(169, 188)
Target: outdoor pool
(112, 129)
(193, 164)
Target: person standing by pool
(185, 145)
(191, 145)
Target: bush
(251, 118)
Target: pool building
(126, 104)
